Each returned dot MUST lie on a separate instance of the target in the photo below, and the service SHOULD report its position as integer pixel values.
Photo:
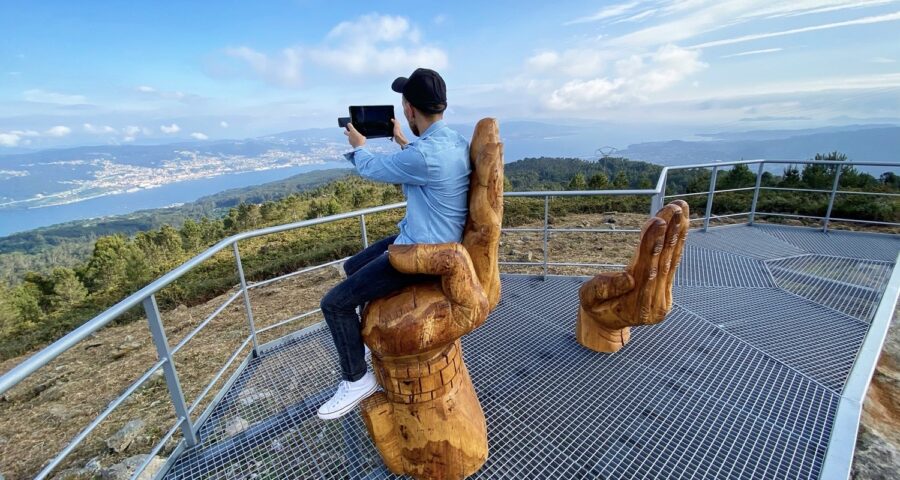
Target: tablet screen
(373, 121)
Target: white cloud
(636, 79)
(377, 44)
(146, 89)
(97, 129)
(42, 96)
(58, 131)
(604, 13)
(753, 52)
(199, 136)
(890, 17)
(170, 129)
(223, 124)
(576, 62)
(370, 44)
(440, 19)
(9, 140)
(282, 70)
(882, 60)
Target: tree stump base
(427, 423)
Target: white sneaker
(368, 353)
(348, 396)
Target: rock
(529, 257)
(610, 220)
(59, 413)
(74, 474)
(875, 458)
(235, 426)
(124, 470)
(251, 395)
(124, 437)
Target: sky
(104, 72)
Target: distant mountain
(875, 144)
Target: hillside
(67, 244)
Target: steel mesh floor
(741, 381)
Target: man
(434, 171)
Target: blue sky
(90, 72)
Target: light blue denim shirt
(434, 171)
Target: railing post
(658, 200)
(546, 233)
(709, 198)
(834, 189)
(162, 349)
(362, 228)
(247, 308)
(759, 174)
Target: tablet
(373, 121)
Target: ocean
(20, 220)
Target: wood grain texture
(428, 422)
(611, 303)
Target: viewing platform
(759, 371)
(743, 380)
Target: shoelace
(341, 392)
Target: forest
(69, 282)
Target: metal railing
(146, 297)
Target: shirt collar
(433, 128)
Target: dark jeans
(370, 275)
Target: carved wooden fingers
(642, 294)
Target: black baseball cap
(424, 89)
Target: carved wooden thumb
(613, 302)
(428, 422)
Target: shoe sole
(340, 413)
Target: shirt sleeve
(406, 166)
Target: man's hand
(355, 138)
(398, 134)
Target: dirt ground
(41, 415)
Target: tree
(621, 181)
(578, 182)
(191, 236)
(68, 290)
(598, 181)
(791, 177)
(738, 177)
(107, 267)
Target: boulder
(235, 426)
(125, 469)
(875, 457)
(126, 436)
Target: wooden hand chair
(428, 422)
(613, 302)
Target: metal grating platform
(741, 381)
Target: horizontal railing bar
(569, 230)
(578, 193)
(877, 222)
(715, 164)
(855, 192)
(203, 324)
(159, 445)
(832, 162)
(805, 190)
(790, 215)
(218, 375)
(289, 320)
(677, 195)
(98, 419)
(298, 272)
